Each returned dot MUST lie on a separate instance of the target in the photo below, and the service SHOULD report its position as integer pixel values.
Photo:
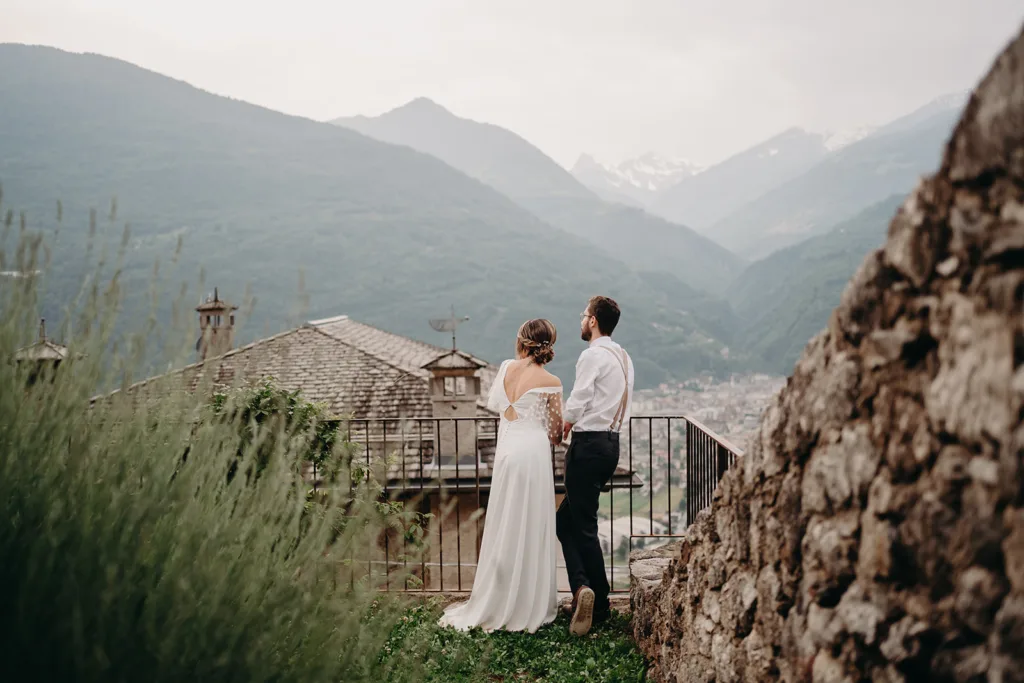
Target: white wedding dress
(515, 586)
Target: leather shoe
(583, 613)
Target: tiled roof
(349, 381)
(408, 354)
(355, 369)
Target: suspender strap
(624, 403)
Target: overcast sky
(694, 78)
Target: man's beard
(585, 335)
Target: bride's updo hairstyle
(536, 340)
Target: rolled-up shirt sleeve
(582, 389)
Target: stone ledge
(647, 567)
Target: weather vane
(448, 325)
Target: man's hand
(566, 428)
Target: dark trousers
(590, 462)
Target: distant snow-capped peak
(835, 140)
(649, 172)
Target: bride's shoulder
(506, 366)
(548, 381)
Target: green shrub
(269, 419)
(127, 553)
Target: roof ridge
(362, 351)
(432, 347)
(481, 401)
(373, 354)
(441, 350)
(326, 321)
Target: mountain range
(639, 181)
(634, 181)
(395, 218)
(706, 198)
(785, 299)
(792, 186)
(889, 161)
(520, 171)
(268, 201)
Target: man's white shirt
(597, 392)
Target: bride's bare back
(523, 376)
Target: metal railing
(668, 469)
(708, 456)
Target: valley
(395, 219)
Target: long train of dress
(515, 584)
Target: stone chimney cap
(42, 349)
(215, 304)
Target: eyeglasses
(584, 316)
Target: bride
(514, 588)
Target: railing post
(723, 461)
(458, 508)
(384, 461)
(691, 490)
(440, 503)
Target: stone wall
(875, 530)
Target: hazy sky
(694, 78)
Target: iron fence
(708, 456)
(668, 469)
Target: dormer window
(454, 386)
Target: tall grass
(123, 559)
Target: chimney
(216, 326)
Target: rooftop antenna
(448, 325)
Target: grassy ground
(551, 655)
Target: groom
(595, 412)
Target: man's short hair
(606, 312)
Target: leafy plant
(267, 415)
